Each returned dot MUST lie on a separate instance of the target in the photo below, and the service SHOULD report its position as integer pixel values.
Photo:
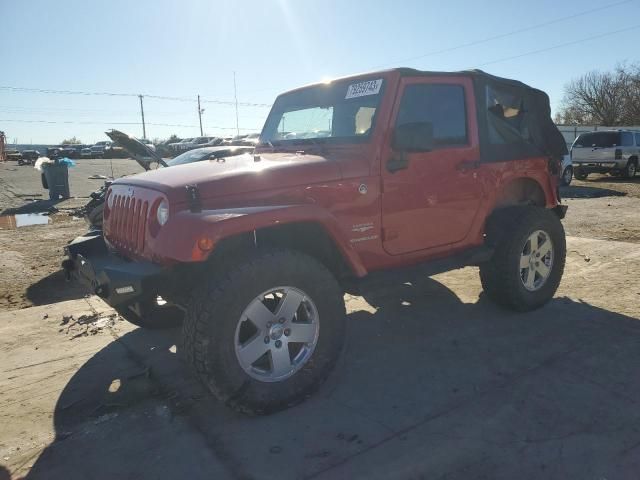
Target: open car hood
(138, 150)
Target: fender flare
(220, 224)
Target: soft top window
(505, 116)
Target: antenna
(235, 94)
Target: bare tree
(630, 85)
(603, 98)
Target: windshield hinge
(193, 195)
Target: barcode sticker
(370, 87)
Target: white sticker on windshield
(370, 87)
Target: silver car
(606, 151)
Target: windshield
(341, 111)
(189, 157)
(598, 139)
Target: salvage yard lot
(436, 381)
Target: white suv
(606, 151)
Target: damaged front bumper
(116, 280)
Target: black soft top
(514, 119)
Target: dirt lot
(30, 256)
(436, 382)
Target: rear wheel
(579, 174)
(527, 265)
(265, 335)
(631, 168)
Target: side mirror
(413, 137)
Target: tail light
(618, 154)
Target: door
(433, 200)
(596, 147)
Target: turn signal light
(205, 244)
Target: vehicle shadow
(611, 179)
(54, 288)
(428, 383)
(36, 206)
(580, 191)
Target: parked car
(72, 150)
(567, 170)
(606, 151)
(13, 155)
(29, 157)
(197, 142)
(259, 251)
(59, 151)
(178, 146)
(98, 150)
(148, 143)
(209, 153)
(86, 152)
(247, 139)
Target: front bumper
(117, 281)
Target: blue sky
(189, 47)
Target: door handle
(468, 165)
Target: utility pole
(144, 128)
(235, 94)
(200, 110)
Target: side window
(627, 139)
(638, 139)
(441, 105)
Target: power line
(70, 122)
(503, 35)
(115, 94)
(560, 45)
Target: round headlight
(162, 214)
(109, 199)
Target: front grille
(126, 226)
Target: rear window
(598, 139)
(627, 139)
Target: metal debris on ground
(86, 325)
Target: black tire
(567, 176)
(43, 179)
(148, 314)
(507, 232)
(631, 168)
(579, 174)
(209, 331)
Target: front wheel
(567, 176)
(580, 175)
(529, 256)
(264, 335)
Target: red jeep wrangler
(398, 171)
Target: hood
(140, 152)
(239, 174)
